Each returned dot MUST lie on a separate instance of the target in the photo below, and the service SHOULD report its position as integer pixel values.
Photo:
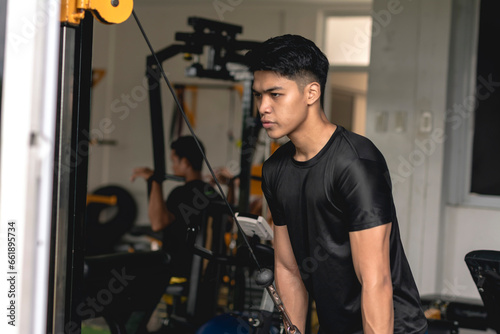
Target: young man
(185, 203)
(336, 235)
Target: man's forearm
(294, 296)
(157, 212)
(377, 309)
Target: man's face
(281, 102)
(178, 165)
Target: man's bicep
(371, 253)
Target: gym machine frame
(65, 292)
(223, 48)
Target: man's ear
(185, 162)
(313, 91)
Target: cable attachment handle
(265, 279)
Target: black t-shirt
(187, 203)
(345, 187)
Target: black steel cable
(196, 139)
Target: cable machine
(65, 291)
(66, 295)
(224, 59)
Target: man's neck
(312, 138)
(192, 175)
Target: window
(348, 40)
(473, 107)
(485, 176)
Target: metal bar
(156, 111)
(78, 171)
(62, 163)
(250, 132)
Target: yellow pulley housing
(106, 11)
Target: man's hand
(158, 213)
(223, 176)
(143, 172)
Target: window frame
(459, 110)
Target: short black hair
(186, 147)
(291, 56)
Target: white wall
(467, 229)
(408, 77)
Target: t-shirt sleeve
(270, 198)
(174, 199)
(365, 187)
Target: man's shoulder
(193, 187)
(282, 153)
(203, 187)
(359, 146)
